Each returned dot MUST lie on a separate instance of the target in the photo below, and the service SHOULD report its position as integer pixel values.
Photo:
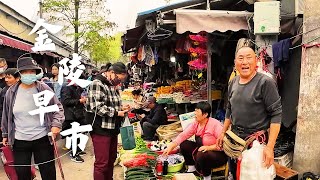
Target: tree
(104, 48)
(79, 17)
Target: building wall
(15, 24)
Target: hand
(83, 100)
(204, 149)
(141, 116)
(126, 107)
(122, 113)
(220, 140)
(5, 141)
(170, 147)
(268, 156)
(55, 131)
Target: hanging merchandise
(159, 34)
(198, 50)
(156, 56)
(149, 56)
(187, 45)
(262, 66)
(198, 38)
(281, 55)
(198, 53)
(134, 58)
(141, 53)
(181, 45)
(198, 64)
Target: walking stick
(57, 157)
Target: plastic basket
(285, 160)
(175, 168)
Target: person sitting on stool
(150, 123)
(203, 154)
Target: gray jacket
(54, 119)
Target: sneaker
(81, 153)
(77, 159)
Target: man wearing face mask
(23, 131)
(105, 112)
(3, 68)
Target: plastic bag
(252, 164)
(127, 135)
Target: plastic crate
(285, 160)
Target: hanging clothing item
(156, 55)
(141, 53)
(149, 57)
(280, 52)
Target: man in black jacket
(11, 76)
(73, 105)
(157, 117)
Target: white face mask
(3, 69)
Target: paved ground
(72, 170)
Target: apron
(199, 143)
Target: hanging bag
(252, 167)
(127, 135)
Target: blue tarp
(160, 8)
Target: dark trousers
(42, 151)
(105, 151)
(149, 130)
(204, 161)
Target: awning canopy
(17, 44)
(14, 43)
(132, 38)
(211, 20)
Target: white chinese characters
(41, 100)
(43, 42)
(75, 133)
(73, 72)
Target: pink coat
(212, 131)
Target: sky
(123, 12)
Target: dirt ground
(72, 170)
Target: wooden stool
(224, 168)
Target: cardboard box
(184, 176)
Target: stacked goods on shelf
(126, 95)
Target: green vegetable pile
(139, 173)
(141, 147)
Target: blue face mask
(28, 78)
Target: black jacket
(3, 83)
(2, 95)
(70, 99)
(157, 116)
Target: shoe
(77, 159)
(81, 153)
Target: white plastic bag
(252, 164)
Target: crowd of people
(253, 105)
